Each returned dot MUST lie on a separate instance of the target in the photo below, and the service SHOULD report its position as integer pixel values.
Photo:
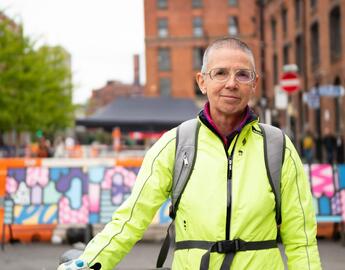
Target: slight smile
(230, 97)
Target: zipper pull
(185, 160)
(230, 164)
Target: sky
(101, 35)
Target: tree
(35, 84)
(12, 45)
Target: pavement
(44, 256)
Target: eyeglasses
(223, 74)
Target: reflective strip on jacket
(203, 207)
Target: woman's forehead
(230, 57)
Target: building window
(196, 3)
(299, 53)
(284, 21)
(163, 27)
(162, 4)
(286, 51)
(198, 53)
(275, 69)
(232, 2)
(313, 3)
(233, 26)
(197, 27)
(335, 33)
(274, 29)
(298, 12)
(165, 86)
(337, 106)
(315, 49)
(164, 59)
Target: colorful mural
(328, 189)
(90, 193)
(69, 195)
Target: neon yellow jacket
(203, 207)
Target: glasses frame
(231, 73)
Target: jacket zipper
(185, 164)
(229, 190)
(228, 204)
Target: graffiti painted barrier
(88, 191)
(69, 191)
(328, 189)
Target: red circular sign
(290, 82)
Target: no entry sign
(289, 82)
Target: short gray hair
(230, 42)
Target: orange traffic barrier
(19, 162)
(129, 162)
(28, 233)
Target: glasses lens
(244, 75)
(219, 74)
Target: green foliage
(35, 84)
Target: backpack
(185, 155)
(308, 142)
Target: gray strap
(185, 155)
(169, 239)
(227, 247)
(274, 146)
(229, 257)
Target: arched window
(335, 33)
(337, 82)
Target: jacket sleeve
(129, 222)
(298, 227)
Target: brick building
(177, 33)
(306, 34)
(311, 35)
(113, 89)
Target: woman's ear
(201, 82)
(255, 83)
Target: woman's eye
(221, 72)
(243, 74)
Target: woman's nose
(231, 81)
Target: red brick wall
(327, 70)
(181, 41)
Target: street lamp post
(263, 99)
(303, 109)
(318, 121)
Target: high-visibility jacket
(202, 212)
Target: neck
(226, 123)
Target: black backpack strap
(169, 238)
(227, 247)
(274, 150)
(185, 155)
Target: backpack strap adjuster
(228, 246)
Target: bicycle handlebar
(70, 261)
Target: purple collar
(247, 117)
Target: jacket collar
(206, 118)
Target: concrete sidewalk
(41, 256)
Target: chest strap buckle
(227, 246)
